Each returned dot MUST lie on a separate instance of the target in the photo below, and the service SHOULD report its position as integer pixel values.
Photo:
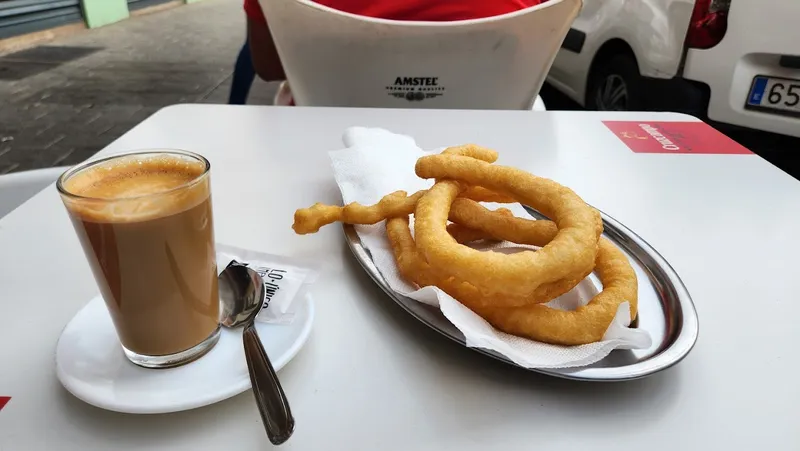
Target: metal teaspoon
(241, 295)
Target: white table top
(371, 377)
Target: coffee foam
(136, 188)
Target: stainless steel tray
(666, 311)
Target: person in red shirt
(265, 57)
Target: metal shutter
(25, 16)
(139, 4)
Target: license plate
(778, 95)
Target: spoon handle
(270, 398)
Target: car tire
(616, 85)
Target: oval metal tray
(666, 311)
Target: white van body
(660, 54)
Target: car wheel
(616, 86)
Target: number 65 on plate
(775, 95)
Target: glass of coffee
(145, 223)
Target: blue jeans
(243, 75)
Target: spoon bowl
(241, 294)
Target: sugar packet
(285, 279)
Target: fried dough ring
(478, 222)
(586, 324)
(415, 269)
(572, 250)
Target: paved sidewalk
(65, 100)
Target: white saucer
(91, 365)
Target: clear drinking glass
(145, 222)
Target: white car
(733, 61)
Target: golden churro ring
(572, 250)
(416, 270)
(586, 324)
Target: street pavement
(63, 101)
(67, 99)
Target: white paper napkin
(285, 279)
(376, 162)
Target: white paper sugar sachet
(376, 162)
(285, 279)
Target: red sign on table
(674, 137)
(4, 400)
